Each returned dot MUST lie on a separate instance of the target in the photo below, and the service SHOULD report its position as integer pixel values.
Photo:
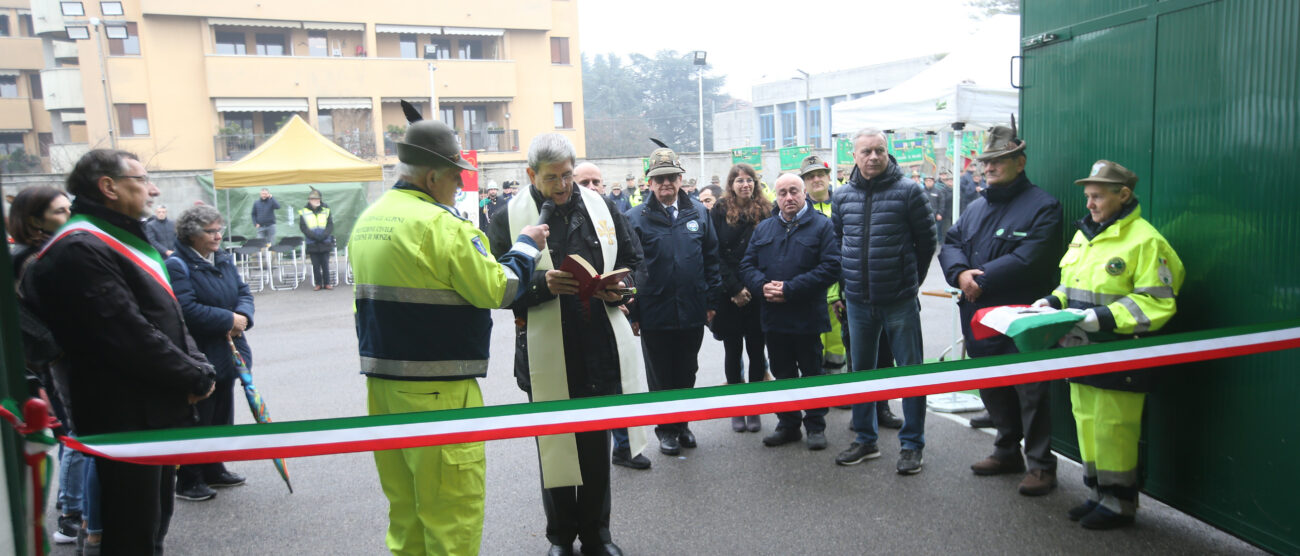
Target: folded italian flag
(1031, 328)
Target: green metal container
(1201, 98)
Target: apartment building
(194, 84)
(24, 123)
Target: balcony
(22, 53)
(483, 141)
(229, 148)
(298, 76)
(15, 114)
(61, 88)
(360, 143)
(66, 52)
(47, 19)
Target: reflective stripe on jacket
(424, 284)
(1128, 271)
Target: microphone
(545, 213)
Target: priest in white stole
(566, 348)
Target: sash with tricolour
(125, 243)
(546, 365)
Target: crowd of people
(138, 325)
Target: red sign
(468, 178)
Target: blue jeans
(621, 441)
(267, 232)
(72, 478)
(90, 504)
(902, 320)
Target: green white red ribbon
(357, 434)
(125, 243)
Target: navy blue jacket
(678, 281)
(886, 257)
(209, 295)
(264, 211)
(1013, 234)
(806, 257)
(161, 234)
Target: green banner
(645, 166)
(792, 157)
(752, 156)
(972, 144)
(907, 151)
(843, 151)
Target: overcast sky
(758, 41)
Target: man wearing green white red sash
(105, 294)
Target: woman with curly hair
(737, 324)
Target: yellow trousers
(1109, 424)
(832, 342)
(435, 494)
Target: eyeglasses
(215, 231)
(144, 178)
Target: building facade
(195, 85)
(798, 111)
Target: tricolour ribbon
(408, 430)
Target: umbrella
(256, 405)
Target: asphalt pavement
(731, 495)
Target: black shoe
(909, 462)
(885, 416)
(782, 436)
(1076, 513)
(981, 421)
(69, 526)
(816, 441)
(225, 479)
(624, 457)
(686, 438)
(857, 453)
(197, 492)
(1101, 519)
(738, 424)
(668, 445)
(607, 549)
(560, 550)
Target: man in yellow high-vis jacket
(424, 284)
(1124, 275)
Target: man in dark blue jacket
(264, 215)
(793, 258)
(677, 286)
(886, 228)
(1004, 251)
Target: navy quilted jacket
(887, 236)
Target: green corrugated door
(1202, 99)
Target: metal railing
(357, 142)
(490, 140)
(234, 147)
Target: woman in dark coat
(318, 231)
(737, 323)
(218, 308)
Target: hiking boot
(816, 441)
(1038, 482)
(781, 436)
(857, 453)
(909, 462)
(623, 457)
(994, 466)
(885, 416)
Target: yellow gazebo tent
(296, 154)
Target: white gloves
(1089, 322)
(1041, 303)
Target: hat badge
(1096, 169)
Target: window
(10, 142)
(325, 123)
(471, 50)
(814, 124)
(789, 125)
(130, 46)
(231, 43)
(34, 84)
(238, 123)
(438, 49)
(317, 43)
(448, 116)
(25, 27)
(44, 140)
(8, 86)
(132, 120)
(475, 117)
(766, 128)
(559, 50)
(564, 115)
(407, 44)
(4, 25)
(270, 44)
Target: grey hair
(415, 171)
(194, 220)
(868, 132)
(550, 148)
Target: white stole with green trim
(546, 364)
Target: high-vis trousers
(1109, 423)
(435, 494)
(832, 342)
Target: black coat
(263, 212)
(210, 294)
(732, 242)
(887, 235)
(590, 349)
(1013, 234)
(130, 360)
(678, 281)
(806, 257)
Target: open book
(589, 282)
